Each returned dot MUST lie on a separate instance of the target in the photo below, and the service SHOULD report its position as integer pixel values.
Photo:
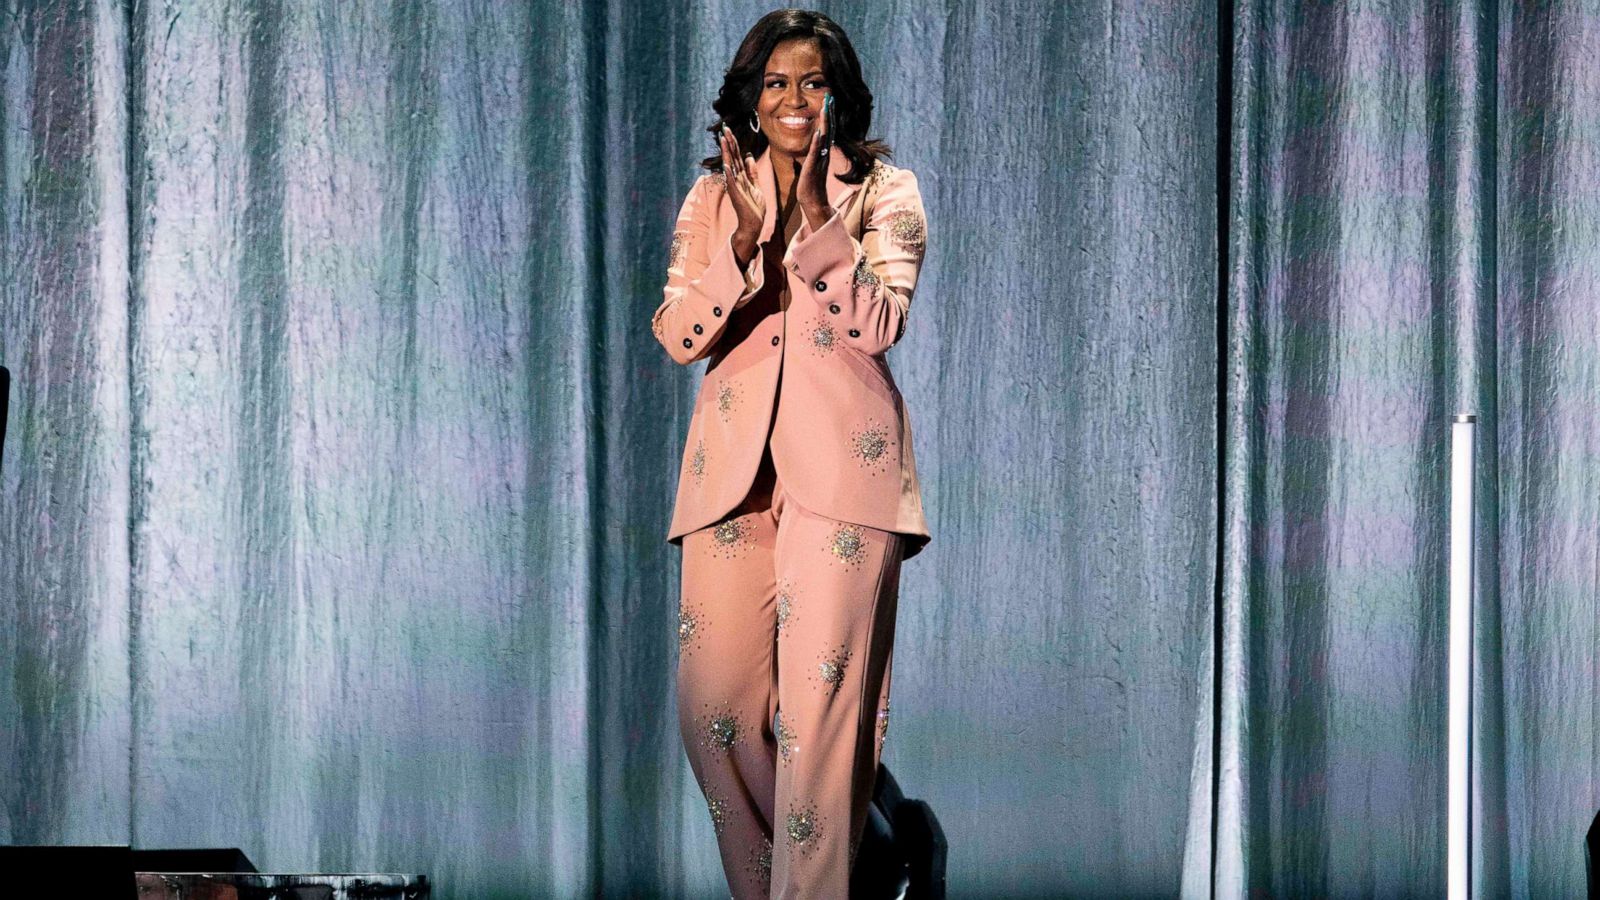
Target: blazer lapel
(838, 191)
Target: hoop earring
(755, 122)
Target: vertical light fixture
(1459, 841)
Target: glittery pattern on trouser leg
(726, 681)
(833, 662)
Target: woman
(792, 268)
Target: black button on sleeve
(716, 311)
(833, 308)
(774, 340)
(688, 343)
(820, 286)
(698, 329)
(855, 333)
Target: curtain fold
(1545, 776)
(1356, 244)
(1411, 190)
(341, 455)
(64, 629)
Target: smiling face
(792, 91)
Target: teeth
(794, 120)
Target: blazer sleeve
(704, 282)
(865, 287)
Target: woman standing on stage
(791, 270)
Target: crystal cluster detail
(730, 538)
(823, 337)
(866, 278)
(848, 545)
(697, 461)
(721, 730)
(870, 445)
(680, 246)
(760, 863)
(908, 230)
(718, 808)
(879, 174)
(830, 671)
(803, 826)
(785, 604)
(727, 400)
(786, 745)
(691, 624)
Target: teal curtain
(341, 454)
(1412, 231)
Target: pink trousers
(786, 635)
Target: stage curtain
(1411, 235)
(341, 454)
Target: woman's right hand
(748, 202)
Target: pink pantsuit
(797, 501)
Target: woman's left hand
(811, 187)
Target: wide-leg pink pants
(786, 635)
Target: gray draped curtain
(341, 453)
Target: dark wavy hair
(852, 101)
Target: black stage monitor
(90, 871)
(5, 408)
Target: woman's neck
(784, 176)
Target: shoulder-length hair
(852, 101)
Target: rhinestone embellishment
(865, 276)
(879, 174)
(680, 246)
(823, 337)
(729, 538)
(786, 745)
(720, 179)
(697, 462)
(870, 445)
(688, 628)
(718, 808)
(727, 399)
(848, 545)
(908, 230)
(721, 731)
(803, 827)
(831, 670)
(883, 725)
(762, 865)
(785, 604)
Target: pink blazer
(821, 319)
